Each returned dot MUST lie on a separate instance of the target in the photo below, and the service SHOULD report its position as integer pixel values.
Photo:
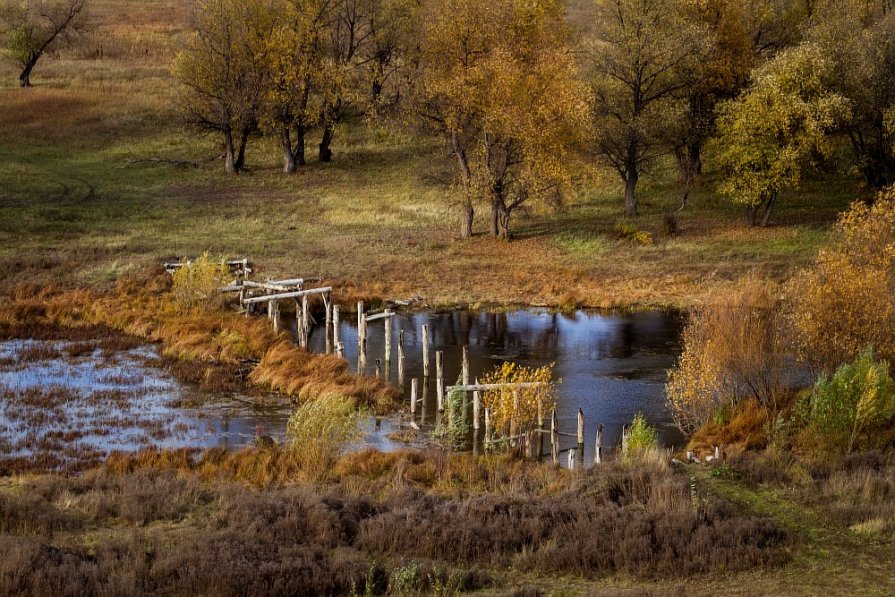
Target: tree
(33, 29)
(780, 125)
(859, 38)
(720, 75)
(367, 42)
(497, 82)
(638, 60)
(224, 69)
(292, 101)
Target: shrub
(318, 431)
(195, 285)
(846, 300)
(845, 409)
(641, 438)
(509, 414)
(628, 230)
(453, 428)
(732, 351)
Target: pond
(612, 365)
(63, 402)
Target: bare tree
(32, 29)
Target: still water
(611, 365)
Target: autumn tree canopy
(496, 82)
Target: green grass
(80, 208)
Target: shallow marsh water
(60, 404)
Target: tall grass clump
(851, 408)
(196, 285)
(453, 429)
(733, 351)
(319, 431)
(846, 300)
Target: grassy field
(86, 199)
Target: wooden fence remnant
(580, 459)
(401, 360)
(598, 447)
(554, 438)
(439, 379)
(425, 351)
(335, 327)
(414, 385)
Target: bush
(732, 351)
(507, 412)
(846, 300)
(847, 410)
(641, 438)
(196, 284)
(318, 431)
(629, 231)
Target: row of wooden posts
(530, 443)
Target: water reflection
(612, 365)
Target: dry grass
(223, 342)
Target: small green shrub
(628, 230)
(641, 439)
(847, 410)
(196, 284)
(453, 428)
(319, 431)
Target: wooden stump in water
(425, 340)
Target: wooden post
(554, 438)
(328, 305)
(305, 321)
(572, 454)
(465, 366)
(580, 459)
(414, 384)
(360, 325)
(476, 408)
(388, 342)
(401, 360)
(378, 368)
(439, 379)
(340, 349)
(362, 357)
(336, 326)
(540, 426)
(273, 313)
(717, 452)
(487, 426)
(425, 351)
(514, 420)
(624, 439)
(598, 448)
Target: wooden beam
(385, 314)
(482, 387)
(286, 295)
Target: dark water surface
(611, 365)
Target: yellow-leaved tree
(845, 302)
(223, 68)
(496, 81)
(778, 127)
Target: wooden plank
(387, 314)
(336, 332)
(401, 360)
(286, 295)
(598, 448)
(482, 387)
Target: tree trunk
(298, 153)
(241, 155)
(466, 220)
(229, 155)
(767, 211)
(500, 220)
(25, 76)
(630, 198)
(325, 154)
(288, 156)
